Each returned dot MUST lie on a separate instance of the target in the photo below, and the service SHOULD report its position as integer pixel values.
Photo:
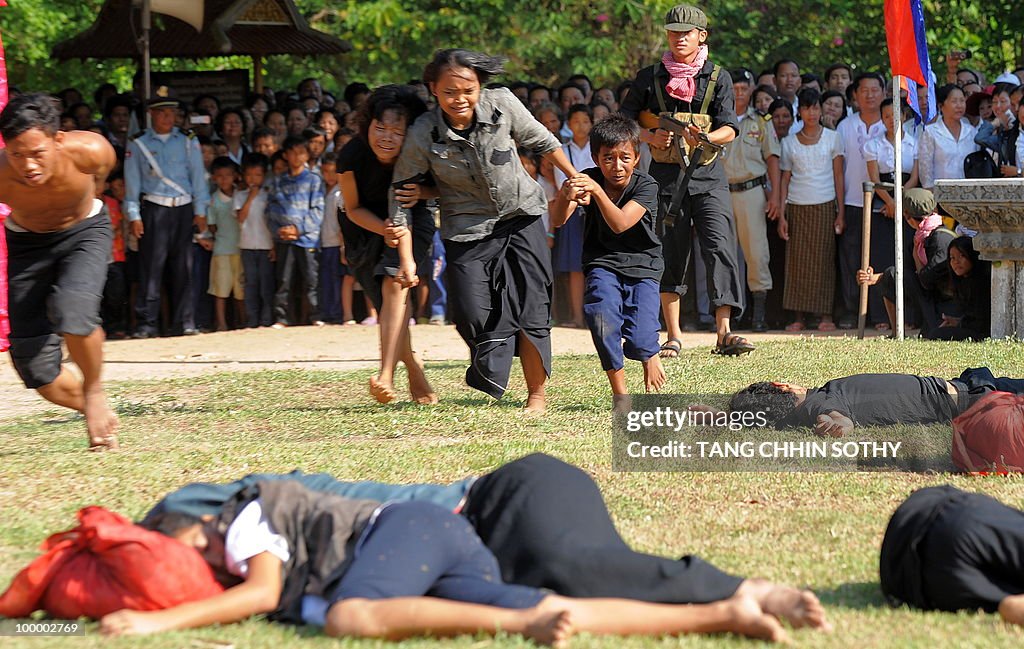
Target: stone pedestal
(995, 208)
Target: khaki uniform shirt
(746, 156)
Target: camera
(195, 120)
(960, 55)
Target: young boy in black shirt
(621, 252)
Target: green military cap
(683, 18)
(918, 203)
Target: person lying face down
(840, 405)
(951, 550)
(392, 571)
(547, 523)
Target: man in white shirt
(855, 130)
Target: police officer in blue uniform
(166, 193)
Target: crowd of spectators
(828, 133)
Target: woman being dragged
(395, 571)
(365, 167)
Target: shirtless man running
(59, 241)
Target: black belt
(760, 181)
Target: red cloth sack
(989, 436)
(107, 564)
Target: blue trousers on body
(622, 315)
(422, 549)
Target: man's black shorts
(56, 284)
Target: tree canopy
(544, 40)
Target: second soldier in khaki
(752, 167)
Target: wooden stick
(865, 258)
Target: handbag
(980, 165)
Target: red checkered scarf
(681, 85)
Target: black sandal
(733, 345)
(673, 345)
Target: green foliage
(544, 40)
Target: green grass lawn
(822, 530)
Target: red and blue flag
(908, 51)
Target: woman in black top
(972, 290)
(365, 167)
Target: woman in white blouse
(949, 140)
(811, 196)
(880, 156)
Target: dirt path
(328, 348)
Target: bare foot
(536, 404)
(654, 374)
(419, 387)
(751, 621)
(549, 627)
(1011, 609)
(382, 392)
(101, 423)
(800, 608)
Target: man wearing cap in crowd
(752, 168)
(166, 193)
(928, 287)
(688, 85)
(59, 242)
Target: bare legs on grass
(552, 622)
(86, 396)
(395, 346)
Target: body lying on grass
(840, 405)
(547, 524)
(951, 550)
(392, 571)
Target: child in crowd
(569, 237)
(265, 142)
(115, 294)
(226, 266)
(209, 151)
(621, 253)
(316, 140)
(343, 137)
(255, 242)
(533, 164)
(202, 251)
(330, 244)
(295, 212)
(278, 165)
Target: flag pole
(897, 121)
(147, 24)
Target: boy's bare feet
(536, 404)
(382, 392)
(549, 627)
(751, 621)
(800, 608)
(101, 423)
(1011, 609)
(654, 374)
